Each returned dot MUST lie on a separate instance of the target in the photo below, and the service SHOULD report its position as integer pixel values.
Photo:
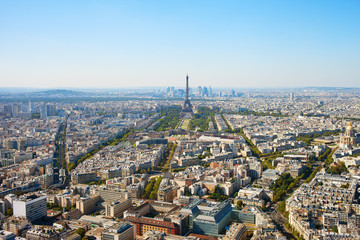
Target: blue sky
(117, 44)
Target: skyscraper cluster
(204, 91)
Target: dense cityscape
(176, 164)
(179, 120)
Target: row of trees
(312, 175)
(228, 125)
(168, 156)
(246, 111)
(282, 186)
(308, 175)
(201, 119)
(170, 118)
(286, 184)
(60, 146)
(325, 155)
(329, 159)
(267, 162)
(333, 168)
(269, 157)
(218, 194)
(57, 207)
(165, 157)
(252, 146)
(310, 137)
(111, 142)
(151, 188)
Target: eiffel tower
(187, 108)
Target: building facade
(148, 224)
(30, 207)
(348, 138)
(116, 209)
(121, 231)
(87, 204)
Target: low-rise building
(208, 218)
(87, 204)
(121, 231)
(116, 209)
(5, 235)
(237, 231)
(148, 224)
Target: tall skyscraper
(15, 110)
(43, 111)
(199, 90)
(51, 109)
(8, 111)
(233, 93)
(29, 107)
(205, 92)
(47, 110)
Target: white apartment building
(31, 207)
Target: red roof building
(149, 224)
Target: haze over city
(237, 44)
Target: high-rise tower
(187, 87)
(187, 108)
(291, 96)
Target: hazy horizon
(19, 90)
(233, 44)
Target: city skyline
(130, 45)
(178, 120)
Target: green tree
(240, 204)
(9, 212)
(287, 225)
(218, 194)
(81, 232)
(282, 186)
(201, 119)
(170, 117)
(338, 169)
(152, 188)
(282, 207)
(70, 167)
(334, 229)
(153, 195)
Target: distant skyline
(130, 44)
